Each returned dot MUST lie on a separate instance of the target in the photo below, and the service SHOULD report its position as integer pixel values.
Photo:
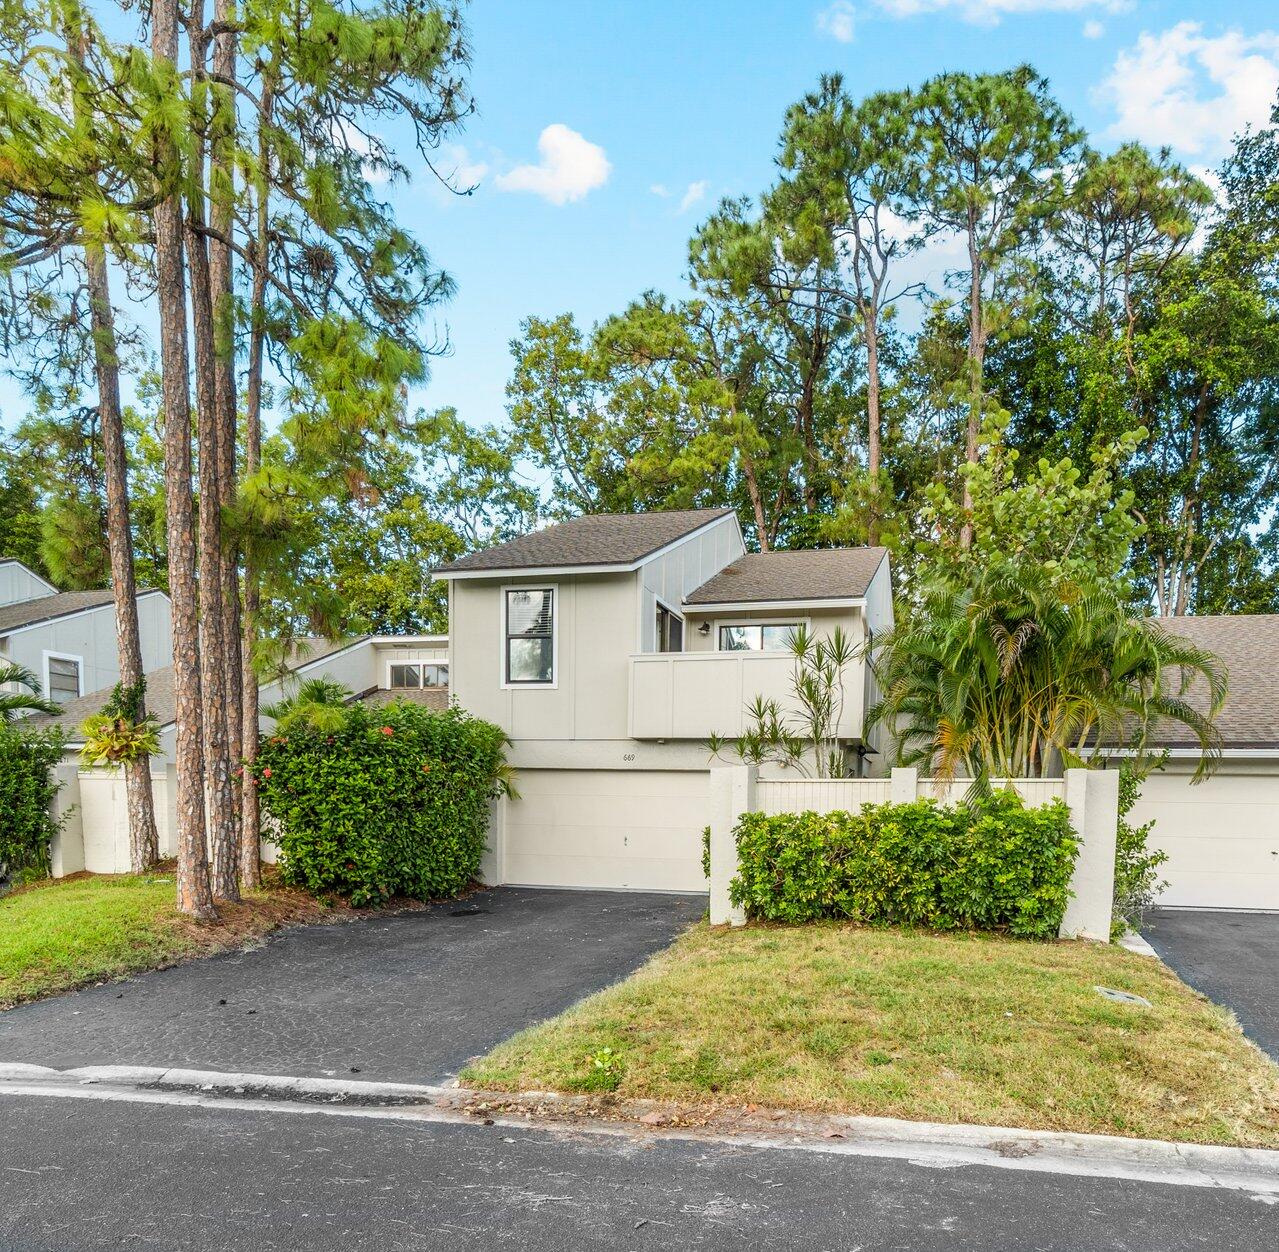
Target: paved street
(1232, 958)
(76, 1175)
(406, 998)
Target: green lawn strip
(60, 935)
(950, 1028)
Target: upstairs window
(530, 635)
(413, 675)
(757, 638)
(64, 679)
(670, 630)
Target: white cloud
(694, 194)
(1192, 91)
(838, 21)
(459, 167)
(661, 189)
(1094, 29)
(568, 167)
(990, 12)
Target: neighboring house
(1222, 834)
(609, 648)
(375, 667)
(68, 638)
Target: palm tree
(13, 703)
(318, 704)
(1024, 673)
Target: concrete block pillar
(493, 862)
(1092, 795)
(904, 785)
(67, 850)
(732, 793)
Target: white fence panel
(820, 795)
(1034, 791)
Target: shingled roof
(1248, 645)
(809, 574)
(596, 539)
(46, 608)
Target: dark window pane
(405, 676)
(64, 679)
(435, 676)
(529, 660)
(676, 641)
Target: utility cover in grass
(1122, 997)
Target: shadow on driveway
(1233, 958)
(408, 998)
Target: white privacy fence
(833, 795)
(1092, 797)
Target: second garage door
(626, 830)
(1222, 837)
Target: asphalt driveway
(410, 997)
(1233, 958)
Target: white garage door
(638, 830)
(1222, 838)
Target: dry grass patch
(948, 1028)
(58, 935)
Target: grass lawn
(63, 934)
(949, 1028)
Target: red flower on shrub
(388, 730)
(426, 769)
(266, 773)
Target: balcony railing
(690, 695)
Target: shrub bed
(27, 788)
(992, 864)
(391, 801)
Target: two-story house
(610, 648)
(68, 638)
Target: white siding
(671, 576)
(818, 795)
(19, 584)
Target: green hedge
(988, 865)
(395, 801)
(27, 788)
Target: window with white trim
(530, 635)
(757, 638)
(413, 675)
(64, 679)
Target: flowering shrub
(992, 864)
(391, 801)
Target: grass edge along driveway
(66, 933)
(945, 1028)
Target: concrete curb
(927, 1144)
(1134, 942)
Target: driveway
(1233, 958)
(410, 997)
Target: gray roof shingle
(807, 574)
(594, 539)
(1248, 645)
(46, 608)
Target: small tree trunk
(144, 844)
(873, 422)
(221, 283)
(194, 894)
(976, 365)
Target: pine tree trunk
(194, 894)
(144, 849)
(976, 369)
(144, 844)
(217, 762)
(873, 422)
(250, 812)
(221, 282)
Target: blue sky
(605, 131)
